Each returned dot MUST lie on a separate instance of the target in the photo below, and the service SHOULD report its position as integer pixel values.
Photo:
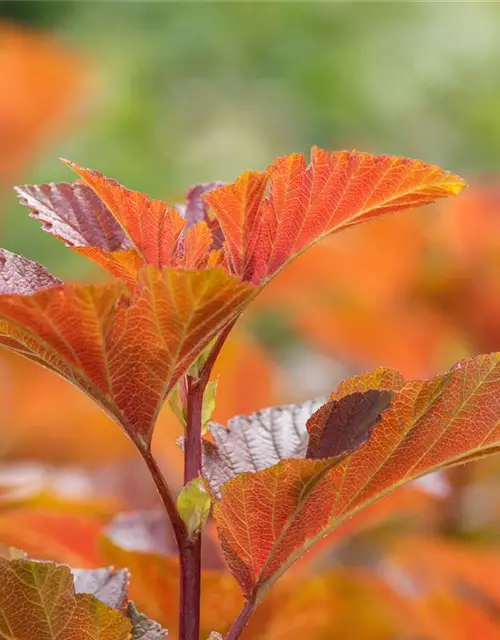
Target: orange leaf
(449, 564)
(152, 226)
(429, 425)
(119, 229)
(38, 600)
(89, 335)
(344, 604)
(237, 208)
(307, 203)
(157, 231)
(38, 429)
(197, 209)
(264, 517)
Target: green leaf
(193, 505)
(208, 404)
(176, 403)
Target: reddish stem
(190, 551)
(190, 548)
(192, 440)
(190, 576)
(241, 621)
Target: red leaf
(266, 520)
(89, 335)
(306, 203)
(119, 229)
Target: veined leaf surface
(308, 202)
(38, 600)
(124, 349)
(263, 517)
(430, 425)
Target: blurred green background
(185, 92)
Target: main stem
(190, 549)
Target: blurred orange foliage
(41, 81)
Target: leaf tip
(458, 186)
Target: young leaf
(177, 401)
(89, 335)
(38, 600)
(308, 202)
(264, 517)
(430, 425)
(208, 404)
(193, 504)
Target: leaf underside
(258, 441)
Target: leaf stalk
(241, 621)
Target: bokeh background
(164, 95)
